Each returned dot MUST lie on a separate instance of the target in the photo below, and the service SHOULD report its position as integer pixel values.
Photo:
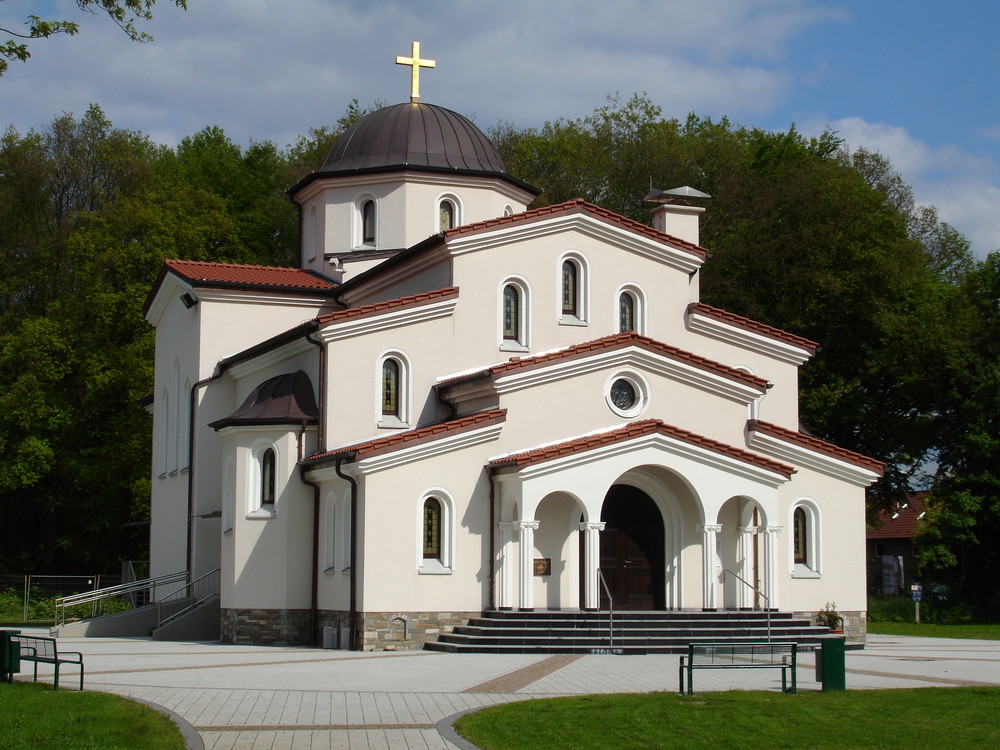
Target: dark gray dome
(414, 135)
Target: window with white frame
(573, 290)
(514, 315)
(393, 388)
(436, 538)
(630, 309)
(368, 222)
(806, 557)
(262, 481)
(447, 214)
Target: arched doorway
(632, 550)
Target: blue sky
(916, 80)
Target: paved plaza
(291, 698)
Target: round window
(623, 394)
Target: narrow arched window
(446, 215)
(390, 388)
(511, 313)
(368, 223)
(267, 482)
(432, 529)
(570, 280)
(801, 536)
(626, 312)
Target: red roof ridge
(374, 308)
(821, 446)
(247, 274)
(396, 440)
(578, 205)
(752, 325)
(627, 338)
(633, 430)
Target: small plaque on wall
(543, 566)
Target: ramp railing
(101, 599)
(756, 590)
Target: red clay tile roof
(752, 325)
(409, 438)
(375, 308)
(201, 273)
(903, 526)
(618, 341)
(633, 430)
(820, 446)
(577, 206)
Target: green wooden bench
(42, 650)
(738, 656)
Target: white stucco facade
(477, 418)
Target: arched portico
(556, 511)
(747, 554)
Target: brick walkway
(273, 698)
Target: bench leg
(55, 678)
(680, 678)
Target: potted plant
(830, 617)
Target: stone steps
(633, 632)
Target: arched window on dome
(446, 215)
(368, 221)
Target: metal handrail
(98, 595)
(761, 594)
(611, 609)
(188, 592)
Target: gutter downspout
(321, 438)
(353, 614)
(191, 454)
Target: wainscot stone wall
(400, 631)
(267, 627)
(855, 625)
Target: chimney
(677, 213)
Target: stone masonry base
(378, 631)
(855, 625)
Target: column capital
(592, 525)
(750, 529)
(773, 529)
(522, 525)
(711, 527)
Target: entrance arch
(632, 550)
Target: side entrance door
(632, 550)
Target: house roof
(609, 343)
(241, 276)
(634, 430)
(409, 438)
(899, 522)
(376, 308)
(752, 325)
(572, 207)
(815, 444)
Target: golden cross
(415, 64)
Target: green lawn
(950, 718)
(982, 630)
(35, 716)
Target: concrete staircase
(627, 632)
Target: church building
(459, 403)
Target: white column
(708, 576)
(771, 565)
(526, 577)
(591, 563)
(745, 597)
(505, 573)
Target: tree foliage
(124, 13)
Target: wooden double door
(632, 550)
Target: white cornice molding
(585, 224)
(419, 452)
(382, 321)
(658, 364)
(390, 277)
(250, 297)
(272, 358)
(799, 455)
(755, 342)
(659, 441)
(173, 286)
(442, 179)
